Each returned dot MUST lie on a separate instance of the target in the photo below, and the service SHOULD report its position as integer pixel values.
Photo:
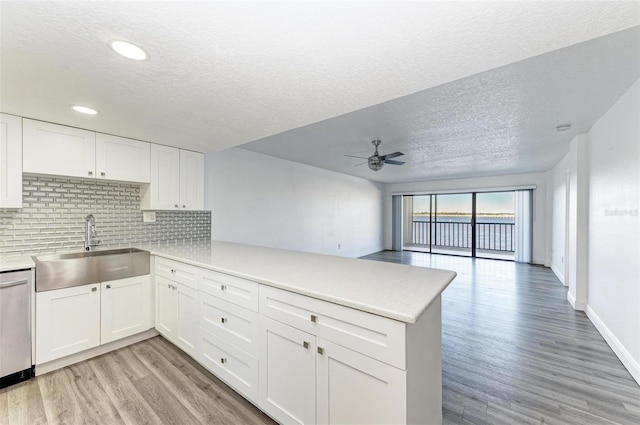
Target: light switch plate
(148, 216)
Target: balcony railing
(489, 236)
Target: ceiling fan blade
(392, 155)
(353, 156)
(392, 162)
(362, 163)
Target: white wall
(614, 228)
(261, 200)
(540, 250)
(558, 189)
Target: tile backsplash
(54, 208)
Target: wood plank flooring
(151, 382)
(514, 352)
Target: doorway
(473, 224)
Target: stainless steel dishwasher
(15, 327)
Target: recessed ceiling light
(563, 127)
(84, 109)
(128, 50)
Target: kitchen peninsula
(308, 338)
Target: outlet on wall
(148, 216)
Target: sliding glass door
(452, 224)
(478, 224)
(495, 225)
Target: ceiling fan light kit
(377, 161)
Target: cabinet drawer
(374, 336)
(230, 288)
(177, 271)
(234, 366)
(229, 322)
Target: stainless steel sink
(57, 271)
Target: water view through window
(446, 224)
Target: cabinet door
(123, 159)
(191, 180)
(353, 388)
(177, 271)
(166, 308)
(125, 308)
(163, 192)
(57, 149)
(236, 367)
(67, 321)
(10, 161)
(287, 373)
(187, 319)
(229, 322)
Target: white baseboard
(559, 275)
(571, 299)
(93, 352)
(632, 365)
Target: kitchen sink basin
(57, 271)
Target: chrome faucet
(90, 233)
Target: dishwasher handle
(13, 283)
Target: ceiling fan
(377, 161)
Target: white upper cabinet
(10, 161)
(57, 149)
(164, 191)
(191, 180)
(67, 151)
(177, 180)
(122, 159)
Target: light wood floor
(514, 352)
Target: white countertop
(9, 263)
(396, 291)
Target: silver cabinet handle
(223, 319)
(173, 271)
(223, 287)
(94, 289)
(13, 283)
(223, 360)
(103, 174)
(176, 205)
(108, 286)
(320, 350)
(305, 344)
(184, 206)
(314, 318)
(169, 285)
(91, 173)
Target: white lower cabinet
(177, 313)
(300, 359)
(308, 380)
(75, 319)
(67, 321)
(355, 389)
(287, 373)
(236, 367)
(126, 308)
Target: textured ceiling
(225, 73)
(497, 122)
